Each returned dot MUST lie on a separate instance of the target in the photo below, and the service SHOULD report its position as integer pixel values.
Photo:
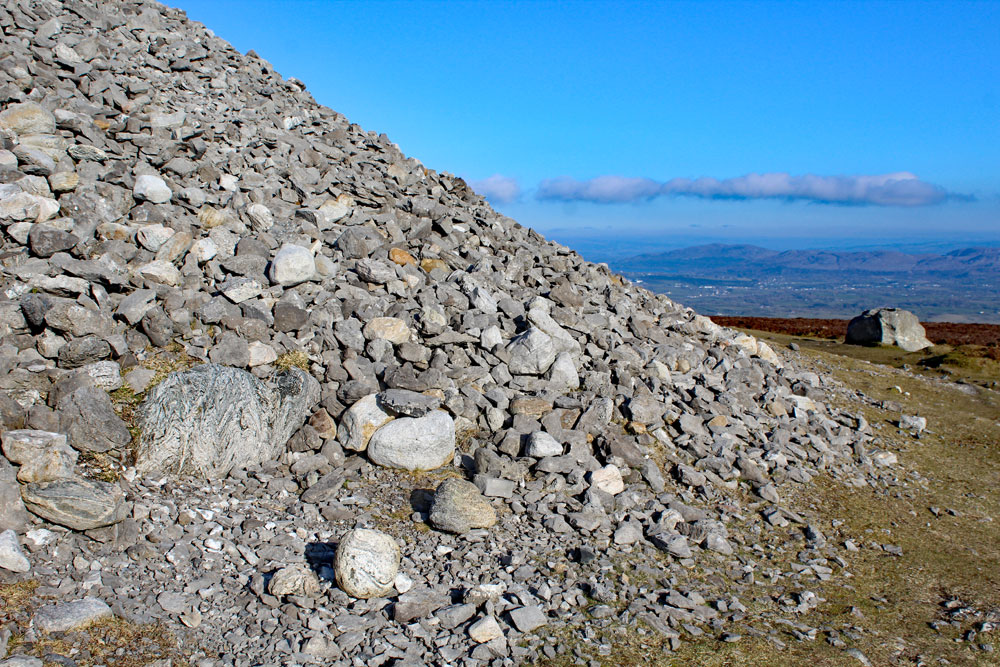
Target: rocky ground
(274, 393)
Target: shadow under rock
(420, 500)
(320, 557)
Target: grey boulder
(66, 616)
(211, 419)
(531, 353)
(888, 326)
(458, 507)
(89, 421)
(77, 503)
(421, 443)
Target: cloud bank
(498, 189)
(898, 189)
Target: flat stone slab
(67, 616)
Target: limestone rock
(360, 422)
(531, 353)
(292, 265)
(43, 456)
(422, 443)
(89, 421)
(152, 189)
(28, 118)
(458, 507)
(12, 557)
(608, 479)
(888, 326)
(66, 616)
(541, 444)
(391, 329)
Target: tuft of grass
(294, 359)
(16, 595)
(104, 467)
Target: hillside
(273, 392)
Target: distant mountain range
(750, 259)
(719, 279)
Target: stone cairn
(268, 380)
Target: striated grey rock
(422, 443)
(211, 419)
(77, 503)
(12, 557)
(366, 563)
(458, 507)
(67, 616)
(888, 326)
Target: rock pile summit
(268, 380)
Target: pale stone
(608, 479)
(204, 250)
(12, 557)
(360, 422)
(152, 189)
(366, 563)
(423, 443)
(161, 272)
(391, 329)
(261, 354)
(485, 629)
(43, 456)
(292, 265)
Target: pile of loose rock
(400, 426)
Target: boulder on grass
(887, 326)
(211, 419)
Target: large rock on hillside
(211, 419)
(888, 326)
(77, 503)
(422, 443)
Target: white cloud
(897, 189)
(498, 189)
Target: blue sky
(787, 124)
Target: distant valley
(718, 279)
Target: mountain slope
(167, 202)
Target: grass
(113, 641)
(294, 359)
